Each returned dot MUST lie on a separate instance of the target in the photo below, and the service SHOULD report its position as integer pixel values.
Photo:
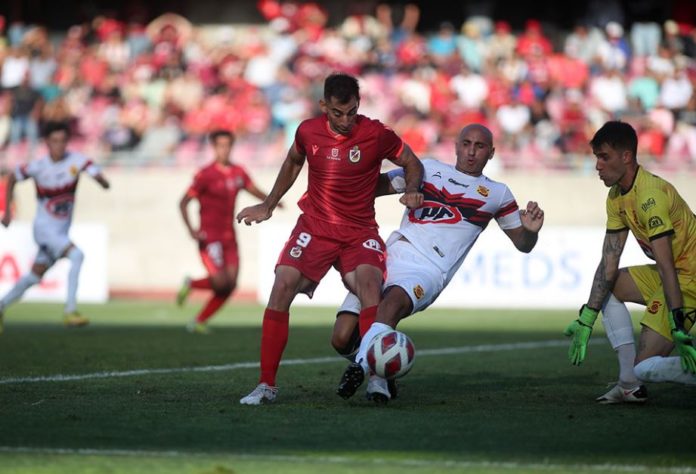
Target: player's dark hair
(52, 127)
(342, 87)
(618, 135)
(215, 134)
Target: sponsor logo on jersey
(648, 204)
(654, 307)
(354, 154)
(483, 191)
(60, 206)
(373, 244)
(458, 183)
(334, 155)
(437, 175)
(654, 222)
(432, 212)
(418, 292)
(74, 171)
(296, 251)
(315, 148)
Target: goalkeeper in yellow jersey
(665, 228)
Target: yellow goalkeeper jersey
(653, 208)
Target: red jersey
(216, 188)
(343, 170)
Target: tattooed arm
(608, 267)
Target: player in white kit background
(56, 176)
(431, 243)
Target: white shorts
(410, 270)
(51, 247)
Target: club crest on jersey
(74, 171)
(418, 292)
(354, 154)
(296, 251)
(483, 191)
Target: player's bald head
(482, 130)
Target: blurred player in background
(665, 228)
(431, 244)
(337, 228)
(56, 176)
(215, 187)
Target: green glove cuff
(588, 316)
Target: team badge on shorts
(654, 307)
(418, 291)
(483, 191)
(296, 251)
(354, 154)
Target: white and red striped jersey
(456, 208)
(56, 183)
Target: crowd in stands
(148, 93)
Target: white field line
(253, 365)
(345, 460)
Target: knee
(76, 256)
(644, 369)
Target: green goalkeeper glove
(580, 330)
(682, 340)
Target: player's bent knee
(644, 370)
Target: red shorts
(218, 254)
(315, 246)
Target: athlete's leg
(619, 328)
(275, 327)
(76, 257)
(23, 284)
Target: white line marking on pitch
(452, 464)
(253, 365)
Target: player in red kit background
(337, 226)
(215, 187)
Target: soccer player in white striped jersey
(56, 176)
(432, 242)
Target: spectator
(25, 111)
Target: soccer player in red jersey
(337, 228)
(215, 187)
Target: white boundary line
(252, 365)
(338, 460)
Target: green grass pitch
(140, 394)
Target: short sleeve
(614, 221)
(508, 215)
(390, 145)
(198, 185)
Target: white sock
(375, 329)
(22, 285)
(76, 258)
(663, 369)
(619, 329)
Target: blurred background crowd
(145, 91)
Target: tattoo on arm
(607, 269)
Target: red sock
(211, 307)
(274, 337)
(366, 318)
(201, 284)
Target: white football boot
(378, 390)
(263, 393)
(619, 394)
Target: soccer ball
(391, 354)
